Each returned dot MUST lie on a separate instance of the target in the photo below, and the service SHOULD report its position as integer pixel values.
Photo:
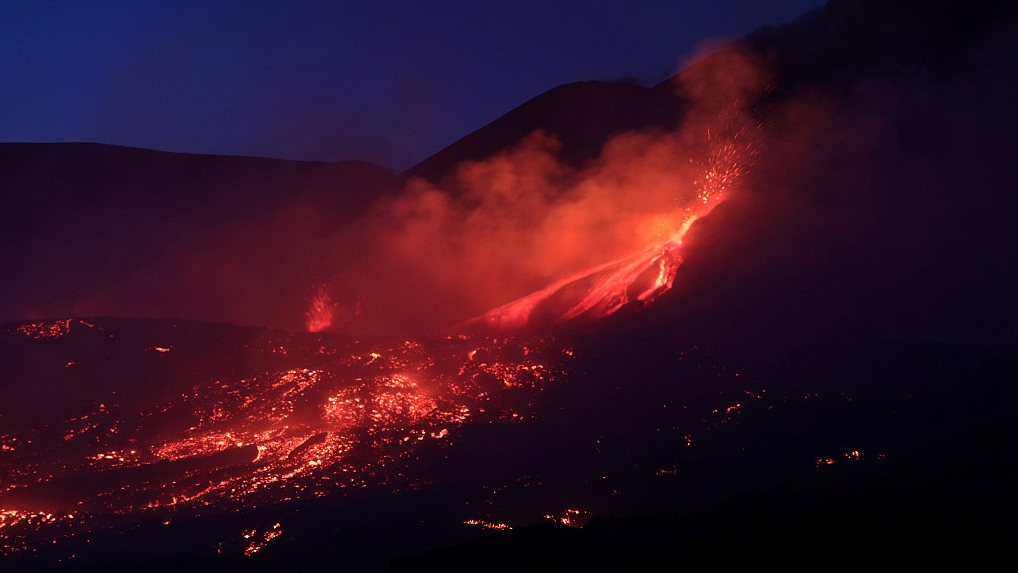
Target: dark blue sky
(389, 81)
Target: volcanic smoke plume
(514, 224)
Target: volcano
(764, 312)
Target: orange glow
(854, 456)
(487, 524)
(40, 330)
(260, 540)
(608, 288)
(572, 517)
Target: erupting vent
(639, 279)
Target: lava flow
(315, 416)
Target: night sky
(390, 82)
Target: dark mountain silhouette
(844, 39)
(100, 227)
(582, 115)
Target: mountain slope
(95, 229)
(582, 115)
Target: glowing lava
(342, 414)
(603, 290)
(594, 294)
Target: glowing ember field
(134, 440)
(351, 416)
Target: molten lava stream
(599, 291)
(644, 276)
(343, 415)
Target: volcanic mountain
(805, 351)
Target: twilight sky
(388, 81)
